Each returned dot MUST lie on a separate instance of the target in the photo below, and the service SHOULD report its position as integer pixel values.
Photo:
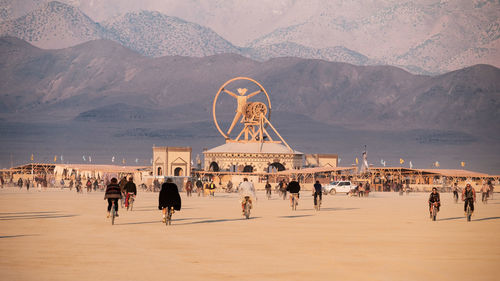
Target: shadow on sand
(485, 219)
(18, 235)
(215, 221)
(32, 215)
(449, 219)
(156, 221)
(295, 216)
(337, 209)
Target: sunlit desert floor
(62, 235)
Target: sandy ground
(61, 235)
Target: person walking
(199, 187)
(268, 190)
(189, 188)
(317, 192)
(89, 185)
(485, 189)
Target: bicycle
(434, 211)
(295, 200)
(130, 204)
(246, 207)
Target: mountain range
(424, 37)
(103, 98)
(379, 97)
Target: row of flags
(410, 164)
(89, 159)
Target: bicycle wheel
(169, 217)
(113, 213)
(131, 203)
(469, 213)
(434, 213)
(247, 210)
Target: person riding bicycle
(317, 191)
(294, 188)
(113, 193)
(469, 197)
(129, 189)
(434, 198)
(169, 198)
(246, 188)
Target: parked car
(338, 186)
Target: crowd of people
(169, 193)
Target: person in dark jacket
(434, 198)
(294, 188)
(169, 198)
(129, 189)
(113, 193)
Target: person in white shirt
(246, 188)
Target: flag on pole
(113, 159)
(84, 158)
(151, 161)
(55, 158)
(90, 159)
(32, 157)
(436, 164)
(136, 160)
(462, 164)
(62, 159)
(357, 161)
(401, 161)
(123, 160)
(411, 165)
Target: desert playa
(61, 235)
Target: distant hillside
(53, 25)
(95, 74)
(154, 34)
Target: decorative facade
(172, 161)
(251, 157)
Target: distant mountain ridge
(69, 82)
(55, 25)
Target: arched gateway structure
(253, 144)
